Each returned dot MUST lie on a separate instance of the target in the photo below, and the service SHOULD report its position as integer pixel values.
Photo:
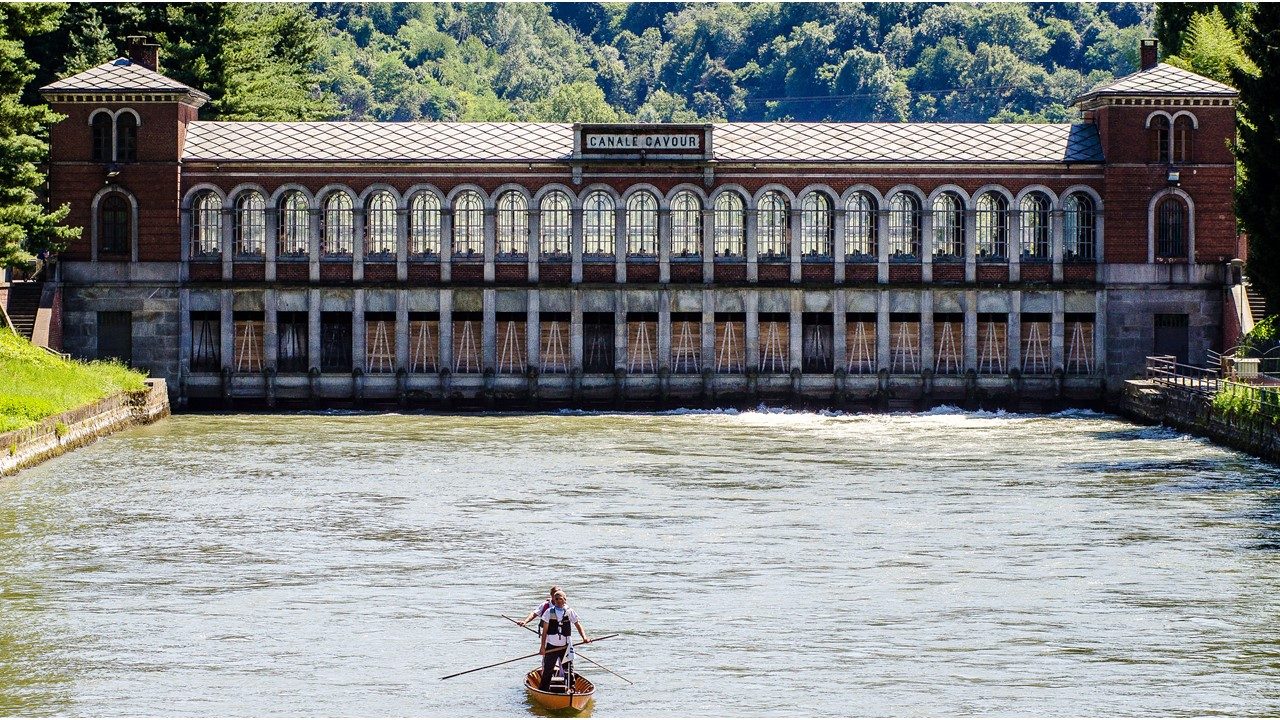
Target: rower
(557, 639)
(541, 608)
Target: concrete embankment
(1192, 411)
(72, 429)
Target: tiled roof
(1163, 79)
(552, 142)
(119, 75)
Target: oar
(522, 657)
(584, 657)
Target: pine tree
(1258, 150)
(25, 225)
(1211, 48)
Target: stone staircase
(24, 302)
(1257, 304)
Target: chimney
(144, 53)
(1149, 60)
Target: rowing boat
(558, 698)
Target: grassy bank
(35, 384)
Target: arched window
(206, 225)
(339, 225)
(1171, 229)
(1158, 136)
(816, 225)
(251, 224)
(1033, 227)
(904, 227)
(728, 226)
(468, 224)
(991, 228)
(556, 234)
(295, 226)
(772, 218)
(1183, 134)
(380, 224)
(686, 225)
(860, 228)
(102, 131)
(126, 137)
(642, 225)
(513, 225)
(424, 224)
(598, 224)
(1077, 228)
(114, 228)
(948, 227)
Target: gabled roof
(1163, 79)
(553, 142)
(119, 75)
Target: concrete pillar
(272, 243)
(226, 318)
(184, 331)
(1015, 244)
(446, 255)
(708, 245)
(313, 329)
(708, 328)
(535, 243)
(970, 329)
(620, 247)
(664, 329)
(970, 245)
(357, 244)
(752, 245)
(927, 359)
(1100, 241)
(839, 326)
(1056, 249)
(882, 329)
(620, 354)
(795, 247)
(926, 245)
(882, 245)
(664, 244)
(489, 330)
(752, 331)
(575, 245)
(446, 328)
(1014, 343)
(358, 350)
(402, 249)
(313, 243)
(402, 329)
(270, 329)
(533, 330)
(490, 243)
(575, 330)
(795, 328)
(838, 250)
(227, 243)
(1057, 328)
(1100, 332)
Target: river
(755, 563)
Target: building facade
(527, 264)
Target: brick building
(521, 264)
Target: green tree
(26, 226)
(1257, 149)
(1173, 19)
(575, 102)
(1210, 47)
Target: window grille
(553, 348)
(1034, 227)
(686, 225)
(114, 225)
(251, 224)
(424, 224)
(206, 235)
(860, 346)
(556, 231)
(291, 341)
(1078, 224)
(1183, 134)
(468, 224)
(948, 345)
(466, 345)
(904, 227)
(1036, 338)
(860, 228)
(775, 346)
(1159, 139)
(102, 130)
(904, 346)
(816, 225)
(126, 137)
(513, 225)
(424, 346)
(817, 344)
(993, 345)
(948, 227)
(1080, 357)
(335, 342)
(380, 343)
(991, 228)
(728, 229)
(772, 221)
(598, 224)
(597, 343)
(248, 345)
(380, 223)
(1171, 241)
(642, 225)
(339, 225)
(295, 226)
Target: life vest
(559, 623)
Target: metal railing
(1166, 370)
(1252, 399)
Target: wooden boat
(559, 698)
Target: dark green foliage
(1258, 152)
(1173, 18)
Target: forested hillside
(642, 61)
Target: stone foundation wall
(1149, 402)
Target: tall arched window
(598, 224)
(424, 224)
(1033, 227)
(556, 233)
(991, 227)
(380, 224)
(816, 225)
(686, 225)
(295, 226)
(948, 227)
(904, 227)
(468, 224)
(251, 224)
(513, 225)
(206, 225)
(1183, 134)
(102, 129)
(1077, 228)
(728, 228)
(642, 225)
(772, 218)
(126, 137)
(1158, 136)
(114, 227)
(1171, 229)
(339, 225)
(860, 227)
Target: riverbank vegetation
(37, 384)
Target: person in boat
(541, 608)
(557, 638)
